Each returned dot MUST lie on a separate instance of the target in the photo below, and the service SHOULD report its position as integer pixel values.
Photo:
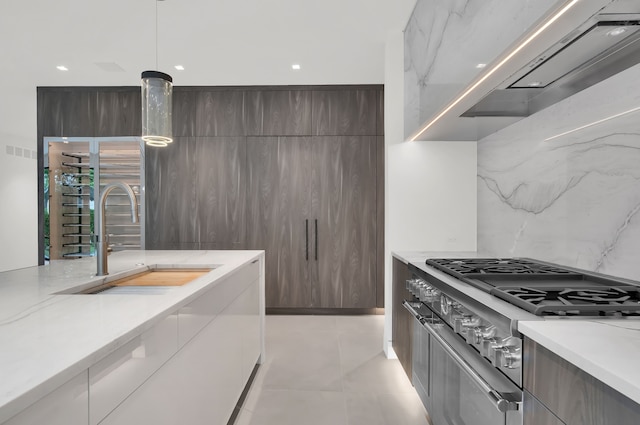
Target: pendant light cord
(156, 34)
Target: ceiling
(219, 42)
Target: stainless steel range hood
(556, 64)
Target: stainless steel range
(467, 359)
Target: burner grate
(495, 267)
(574, 301)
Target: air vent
(596, 44)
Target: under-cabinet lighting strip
(498, 66)
(592, 124)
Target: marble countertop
(46, 338)
(417, 256)
(609, 350)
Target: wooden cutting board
(173, 277)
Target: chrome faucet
(100, 236)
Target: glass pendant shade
(157, 101)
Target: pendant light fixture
(157, 102)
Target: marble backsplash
(574, 199)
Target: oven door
(463, 388)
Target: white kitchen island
(180, 355)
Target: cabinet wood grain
(220, 191)
(118, 112)
(220, 113)
(380, 114)
(183, 113)
(380, 193)
(534, 412)
(210, 190)
(402, 321)
(50, 112)
(170, 194)
(197, 194)
(344, 203)
(344, 112)
(278, 202)
(574, 396)
(278, 112)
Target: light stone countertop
(420, 256)
(608, 350)
(47, 339)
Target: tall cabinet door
(344, 204)
(278, 205)
(196, 194)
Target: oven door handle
(501, 403)
(406, 304)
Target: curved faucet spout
(100, 238)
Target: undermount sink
(148, 282)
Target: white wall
(430, 187)
(18, 179)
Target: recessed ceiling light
(295, 66)
(62, 68)
(535, 84)
(481, 65)
(617, 31)
(179, 67)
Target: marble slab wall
(574, 199)
(445, 40)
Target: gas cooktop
(546, 289)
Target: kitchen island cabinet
(402, 324)
(582, 372)
(122, 358)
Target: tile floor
(329, 370)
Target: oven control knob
(507, 356)
(462, 323)
(480, 333)
(408, 284)
(428, 294)
(487, 345)
(445, 305)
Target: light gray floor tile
(385, 409)
(306, 324)
(402, 408)
(285, 407)
(377, 375)
(329, 370)
(304, 360)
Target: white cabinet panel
(202, 382)
(197, 314)
(116, 376)
(251, 341)
(67, 405)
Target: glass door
(76, 169)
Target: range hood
(590, 42)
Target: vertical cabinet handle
(306, 239)
(316, 239)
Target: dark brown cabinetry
(402, 321)
(196, 194)
(295, 170)
(569, 395)
(312, 203)
(278, 216)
